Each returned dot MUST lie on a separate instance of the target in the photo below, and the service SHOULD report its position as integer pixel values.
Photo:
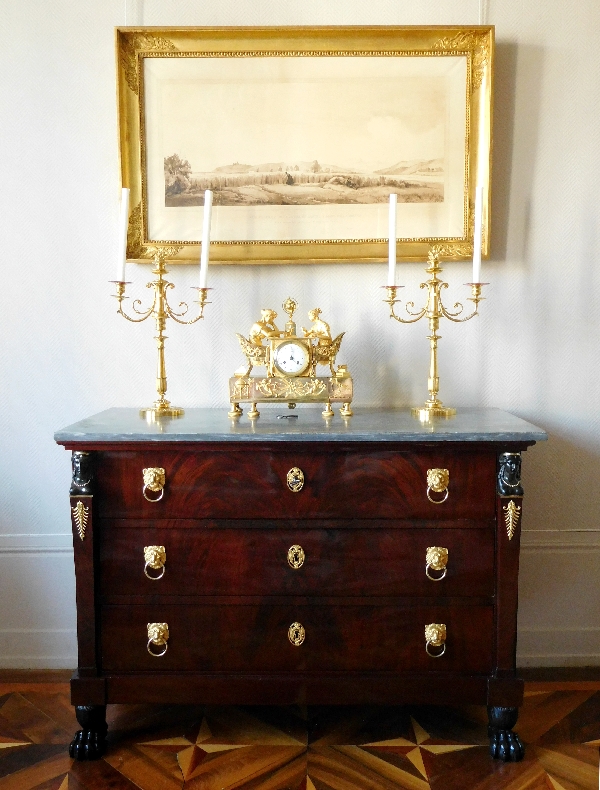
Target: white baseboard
(558, 647)
(37, 602)
(38, 648)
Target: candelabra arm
(455, 317)
(202, 301)
(391, 300)
(120, 296)
(475, 297)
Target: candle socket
(433, 310)
(160, 310)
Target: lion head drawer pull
(296, 557)
(155, 558)
(296, 634)
(435, 636)
(436, 559)
(437, 482)
(295, 479)
(158, 635)
(154, 480)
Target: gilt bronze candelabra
(433, 310)
(160, 310)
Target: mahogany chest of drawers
(290, 560)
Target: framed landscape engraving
(302, 134)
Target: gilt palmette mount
(80, 518)
(512, 514)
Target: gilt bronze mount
(433, 310)
(291, 359)
(160, 310)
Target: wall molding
(558, 539)
(36, 543)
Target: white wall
(66, 354)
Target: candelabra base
(425, 413)
(161, 410)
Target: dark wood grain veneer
(342, 562)
(209, 483)
(255, 637)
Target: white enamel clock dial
(291, 358)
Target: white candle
(208, 198)
(122, 239)
(477, 234)
(392, 240)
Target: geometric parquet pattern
(289, 748)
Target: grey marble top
(367, 425)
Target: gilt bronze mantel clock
(291, 363)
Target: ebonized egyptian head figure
(81, 464)
(509, 475)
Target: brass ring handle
(296, 634)
(154, 480)
(152, 653)
(435, 655)
(435, 636)
(153, 578)
(437, 481)
(158, 635)
(151, 499)
(296, 557)
(434, 578)
(155, 557)
(437, 501)
(436, 559)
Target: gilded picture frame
(302, 133)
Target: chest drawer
(336, 638)
(293, 560)
(338, 483)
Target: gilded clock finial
(290, 306)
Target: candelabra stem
(161, 406)
(433, 406)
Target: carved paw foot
(90, 742)
(87, 745)
(506, 745)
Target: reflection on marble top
(305, 424)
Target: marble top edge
(367, 425)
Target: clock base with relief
(291, 361)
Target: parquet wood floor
(320, 748)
